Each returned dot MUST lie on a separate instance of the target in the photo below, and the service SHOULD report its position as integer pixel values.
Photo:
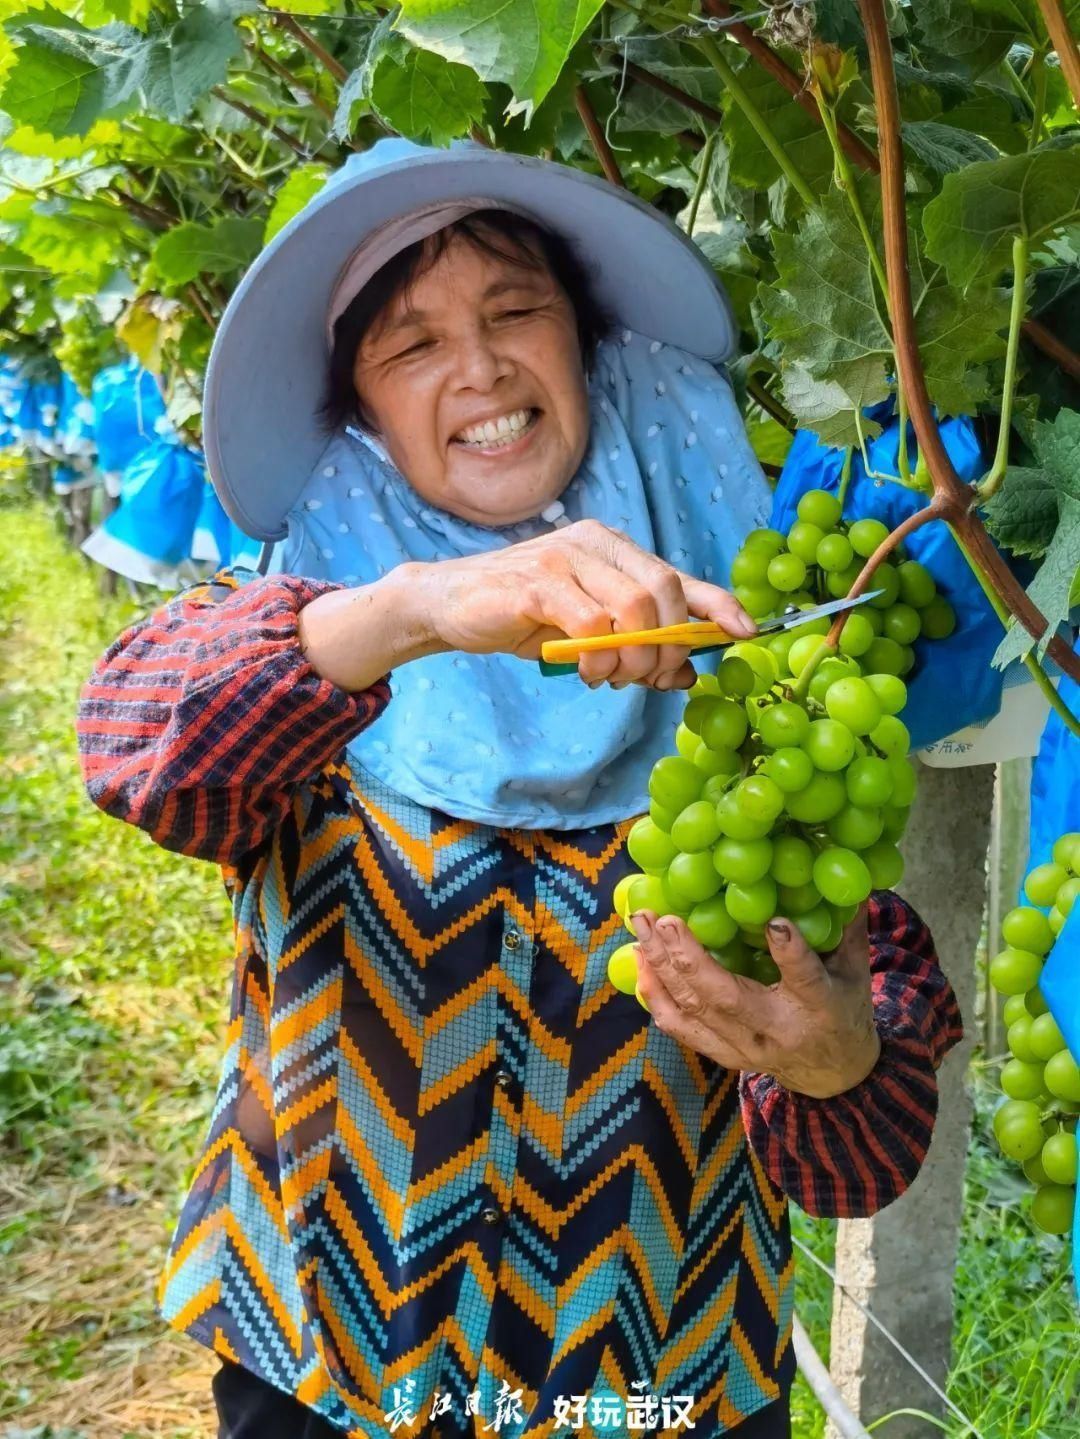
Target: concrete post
(900, 1263)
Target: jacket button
(512, 940)
(503, 1078)
(491, 1215)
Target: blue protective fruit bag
(127, 407)
(953, 683)
(161, 496)
(1055, 810)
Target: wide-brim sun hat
(269, 362)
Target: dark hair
(498, 232)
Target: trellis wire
(908, 1357)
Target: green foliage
(301, 186)
(424, 96)
(190, 250)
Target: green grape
(836, 931)
(622, 968)
(1026, 928)
(674, 782)
(733, 956)
(696, 709)
(693, 877)
(786, 573)
(753, 935)
(907, 662)
(1020, 1080)
(1056, 920)
(1059, 1158)
(783, 724)
(803, 540)
(1052, 1208)
(938, 619)
(646, 893)
(761, 661)
(661, 816)
(917, 587)
(823, 797)
(792, 861)
(836, 667)
(725, 726)
(841, 876)
(675, 902)
(904, 781)
(686, 741)
(884, 657)
(902, 624)
(1063, 1076)
(716, 787)
(885, 863)
(869, 781)
(876, 618)
(855, 828)
(706, 686)
(1066, 852)
(866, 535)
(802, 651)
(710, 923)
(889, 691)
(1044, 1037)
(891, 737)
(750, 568)
(791, 769)
(650, 848)
(751, 904)
(743, 861)
(851, 702)
(830, 745)
(818, 507)
(1067, 896)
(1035, 1173)
(1014, 971)
(771, 541)
(887, 581)
(723, 762)
(696, 827)
(1018, 1038)
(896, 819)
(796, 899)
(620, 894)
(759, 798)
(737, 825)
(1043, 883)
(764, 969)
(857, 635)
(1018, 1130)
(641, 998)
(780, 647)
(816, 926)
(1034, 1002)
(839, 582)
(735, 677)
(820, 626)
(835, 553)
(1014, 1009)
(758, 601)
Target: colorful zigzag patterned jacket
(453, 1181)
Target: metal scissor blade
(819, 612)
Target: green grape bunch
(819, 559)
(1035, 1124)
(788, 790)
(85, 346)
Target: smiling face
(472, 379)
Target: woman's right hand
(582, 579)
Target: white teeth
(496, 432)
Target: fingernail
(640, 920)
(619, 684)
(594, 684)
(779, 928)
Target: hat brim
(268, 365)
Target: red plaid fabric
(200, 723)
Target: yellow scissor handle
(700, 632)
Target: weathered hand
(813, 1030)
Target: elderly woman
(454, 1181)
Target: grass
(114, 978)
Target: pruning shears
(559, 657)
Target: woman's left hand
(813, 1030)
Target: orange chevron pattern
(446, 1156)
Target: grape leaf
(54, 90)
(426, 97)
(837, 22)
(827, 407)
(803, 139)
(1023, 514)
(970, 226)
(522, 43)
(975, 33)
(1057, 446)
(302, 185)
(184, 63)
(941, 149)
(191, 250)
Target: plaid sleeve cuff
(849, 1156)
(199, 722)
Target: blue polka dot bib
(485, 737)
